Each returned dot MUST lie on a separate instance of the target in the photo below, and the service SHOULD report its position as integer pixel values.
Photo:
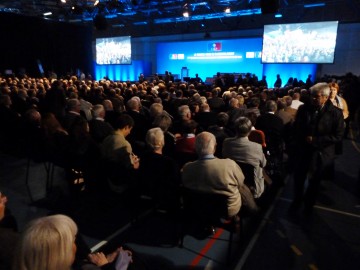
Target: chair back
(205, 208)
(249, 173)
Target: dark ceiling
(146, 17)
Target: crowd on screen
(139, 137)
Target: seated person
(159, 174)
(8, 235)
(49, 243)
(219, 176)
(118, 156)
(185, 145)
(241, 149)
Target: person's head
(254, 102)
(156, 109)
(155, 138)
(133, 104)
(288, 100)
(189, 127)
(184, 112)
(270, 106)
(334, 89)
(234, 103)
(222, 119)
(108, 105)
(205, 144)
(125, 123)
(204, 107)
(241, 99)
(48, 243)
(5, 100)
(252, 117)
(73, 104)
(33, 116)
(320, 93)
(162, 121)
(98, 111)
(243, 126)
(281, 104)
(296, 96)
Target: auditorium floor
(328, 239)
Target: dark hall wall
(60, 46)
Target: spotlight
(227, 10)
(186, 13)
(96, 3)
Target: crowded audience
(152, 137)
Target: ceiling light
(314, 5)
(47, 13)
(63, 1)
(186, 11)
(278, 15)
(227, 10)
(96, 3)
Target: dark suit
(160, 178)
(216, 104)
(273, 127)
(137, 136)
(205, 119)
(326, 128)
(69, 119)
(99, 129)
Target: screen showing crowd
(300, 42)
(114, 50)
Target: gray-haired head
(205, 144)
(320, 88)
(98, 111)
(155, 138)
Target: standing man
(319, 125)
(278, 81)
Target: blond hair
(47, 243)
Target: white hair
(155, 138)
(205, 143)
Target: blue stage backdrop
(207, 57)
(299, 71)
(122, 72)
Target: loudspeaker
(269, 6)
(100, 22)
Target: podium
(184, 72)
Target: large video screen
(113, 50)
(300, 42)
(207, 57)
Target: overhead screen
(113, 50)
(206, 58)
(300, 43)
